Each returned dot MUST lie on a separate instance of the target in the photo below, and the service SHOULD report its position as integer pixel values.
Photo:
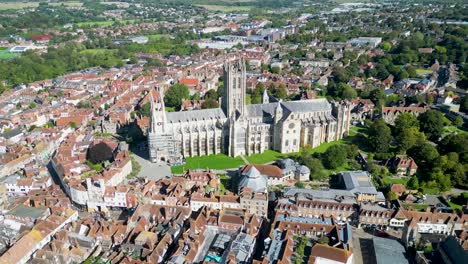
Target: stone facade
(240, 129)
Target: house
(402, 165)
(362, 109)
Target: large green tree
(380, 136)
(334, 156)
(175, 94)
(408, 137)
(405, 121)
(432, 124)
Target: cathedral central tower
(233, 103)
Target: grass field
(157, 36)
(265, 157)
(17, 5)
(70, 4)
(5, 54)
(97, 51)
(417, 207)
(223, 8)
(21, 5)
(423, 71)
(222, 161)
(391, 180)
(95, 23)
(455, 206)
(217, 162)
(451, 129)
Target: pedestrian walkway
(244, 159)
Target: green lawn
(417, 207)
(391, 180)
(5, 54)
(222, 161)
(96, 51)
(455, 206)
(423, 71)
(224, 8)
(157, 36)
(17, 5)
(450, 129)
(95, 23)
(265, 157)
(217, 162)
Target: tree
(386, 46)
(408, 137)
(281, 92)
(145, 109)
(458, 121)
(99, 153)
(84, 104)
(257, 94)
(334, 156)
(392, 196)
(424, 154)
(413, 183)
(211, 94)
(380, 136)
(299, 185)
(210, 103)
(175, 94)
(405, 121)
(73, 125)
(275, 70)
(317, 171)
(432, 124)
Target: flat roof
(27, 212)
(389, 251)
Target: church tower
(233, 103)
(265, 97)
(157, 127)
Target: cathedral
(237, 128)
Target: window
(286, 143)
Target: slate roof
(195, 115)
(389, 251)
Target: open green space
(222, 161)
(157, 36)
(104, 23)
(451, 129)
(95, 23)
(17, 5)
(265, 157)
(33, 4)
(224, 8)
(354, 137)
(97, 51)
(417, 207)
(5, 54)
(423, 71)
(455, 206)
(217, 162)
(390, 180)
